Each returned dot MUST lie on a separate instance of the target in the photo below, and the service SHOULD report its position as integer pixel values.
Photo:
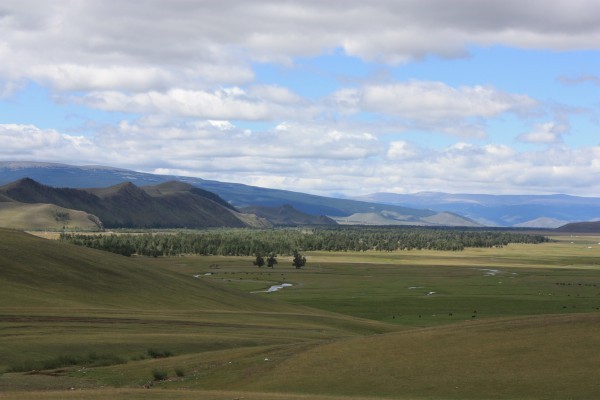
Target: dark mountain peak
(27, 190)
(23, 183)
(125, 189)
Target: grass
(348, 327)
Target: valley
(506, 322)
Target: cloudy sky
(327, 97)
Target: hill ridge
(127, 205)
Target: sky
(336, 98)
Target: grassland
(519, 322)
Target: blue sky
(328, 98)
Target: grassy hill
(59, 301)
(23, 216)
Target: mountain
(539, 211)
(580, 227)
(287, 215)
(235, 194)
(126, 205)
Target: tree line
(248, 242)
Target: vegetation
(298, 260)
(510, 322)
(247, 242)
(159, 374)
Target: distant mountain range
(526, 211)
(425, 208)
(237, 196)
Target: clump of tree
(259, 261)
(249, 242)
(271, 260)
(299, 260)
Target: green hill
(59, 302)
(546, 357)
(23, 216)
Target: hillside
(34, 217)
(287, 215)
(235, 194)
(533, 358)
(45, 273)
(580, 227)
(126, 205)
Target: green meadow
(517, 322)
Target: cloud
(433, 106)
(545, 133)
(312, 158)
(217, 41)
(260, 103)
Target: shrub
(91, 360)
(159, 354)
(159, 374)
(179, 372)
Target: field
(517, 322)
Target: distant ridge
(534, 211)
(580, 227)
(235, 194)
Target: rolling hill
(237, 195)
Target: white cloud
(261, 103)
(545, 133)
(435, 100)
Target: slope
(59, 301)
(580, 227)
(23, 216)
(527, 358)
(126, 205)
(287, 215)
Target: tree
(271, 260)
(260, 260)
(299, 261)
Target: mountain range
(523, 211)
(425, 208)
(237, 196)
